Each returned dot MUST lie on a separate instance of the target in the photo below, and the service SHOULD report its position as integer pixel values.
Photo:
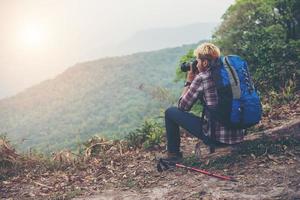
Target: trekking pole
(228, 178)
(163, 165)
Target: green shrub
(154, 137)
(135, 139)
(149, 135)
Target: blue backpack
(238, 102)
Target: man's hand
(191, 75)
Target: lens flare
(32, 35)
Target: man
(198, 86)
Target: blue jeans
(175, 118)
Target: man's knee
(171, 111)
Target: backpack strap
(212, 146)
(233, 78)
(212, 127)
(210, 141)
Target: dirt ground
(265, 177)
(132, 174)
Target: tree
(266, 34)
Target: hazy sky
(41, 38)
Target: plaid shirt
(204, 87)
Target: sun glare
(32, 35)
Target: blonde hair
(207, 51)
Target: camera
(185, 66)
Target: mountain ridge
(167, 37)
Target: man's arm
(190, 93)
(189, 79)
(185, 89)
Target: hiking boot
(169, 162)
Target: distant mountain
(145, 40)
(158, 38)
(105, 97)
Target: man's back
(203, 87)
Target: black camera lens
(185, 66)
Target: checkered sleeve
(190, 97)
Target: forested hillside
(107, 97)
